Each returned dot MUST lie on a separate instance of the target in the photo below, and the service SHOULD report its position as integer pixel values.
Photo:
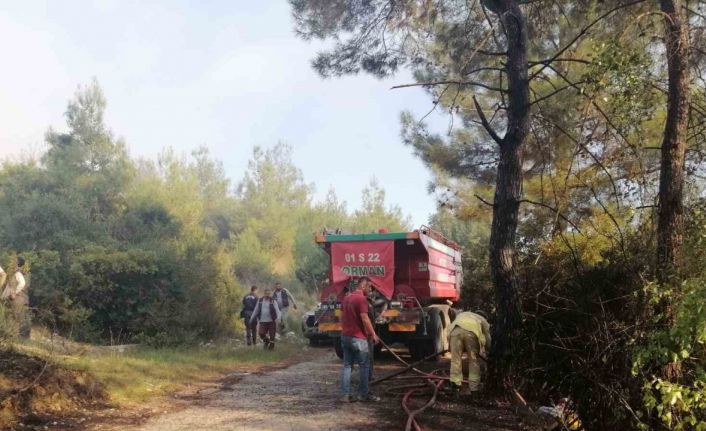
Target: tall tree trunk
(508, 190)
(670, 221)
(508, 187)
(671, 182)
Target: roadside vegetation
(134, 374)
(51, 378)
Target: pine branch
(449, 82)
(556, 211)
(486, 125)
(580, 34)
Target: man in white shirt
(16, 291)
(3, 279)
(283, 299)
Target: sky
(225, 75)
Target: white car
(310, 328)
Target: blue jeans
(355, 350)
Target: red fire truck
(416, 276)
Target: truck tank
(416, 276)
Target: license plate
(329, 327)
(401, 327)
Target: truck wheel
(437, 330)
(435, 341)
(338, 347)
(420, 348)
(415, 351)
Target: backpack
(249, 303)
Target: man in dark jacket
(249, 303)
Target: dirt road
(302, 397)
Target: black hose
(409, 367)
(424, 320)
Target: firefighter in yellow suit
(469, 332)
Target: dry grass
(136, 375)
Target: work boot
(347, 399)
(271, 345)
(453, 390)
(370, 398)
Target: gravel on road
(302, 397)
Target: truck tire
(414, 351)
(338, 347)
(420, 348)
(435, 329)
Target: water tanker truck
(416, 276)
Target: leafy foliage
(160, 251)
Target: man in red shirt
(356, 329)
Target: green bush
(679, 402)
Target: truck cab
(416, 276)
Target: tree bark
(671, 182)
(508, 191)
(508, 187)
(670, 222)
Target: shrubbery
(592, 327)
(679, 401)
